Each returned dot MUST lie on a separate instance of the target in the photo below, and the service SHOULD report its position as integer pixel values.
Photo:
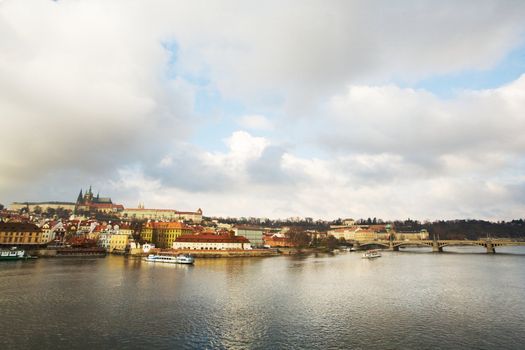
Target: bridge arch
(365, 244)
(412, 243)
(459, 244)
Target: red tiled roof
(105, 205)
(18, 227)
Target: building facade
(50, 231)
(118, 243)
(411, 236)
(211, 242)
(113, 242)
(252, 233)
(162, 214)
(43, 206)
(20, 234)
(277, 241)
(163, 234)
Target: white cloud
(243, 148)
(414, 122)
(255, 122)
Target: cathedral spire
(79, 199)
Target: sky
(323, 109)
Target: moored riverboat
(169, 259)
(13, 254)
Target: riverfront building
(374, 232)
(354, 234)
(412, 235)
(252, 233)
(212, 242)
(20, 234)
(51, 230)
(114, 242)
(163, 234)
(278, 241)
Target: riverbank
(252, 253)
(217, 253)
(68, 252)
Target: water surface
(413, 299)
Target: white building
(49, 231)
(212, 242)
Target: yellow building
(412, 236)
(125, 229)
(364, 235)
(354, 233)
(163, 234)
(118, 242)
(19, 234)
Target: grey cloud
(267, 168)
(310, 56)
(188, 172)
(78, 94)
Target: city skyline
(310, 109)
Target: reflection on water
(413, 299)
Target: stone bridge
(437, 245)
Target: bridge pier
(490, 248)
(436, 248)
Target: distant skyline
(272, 109)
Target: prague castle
(91, 203)
(87, 202)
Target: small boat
(371, 254)
(178, 259)
(12, 254)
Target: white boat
(13, 254)
(371, 254)
(179, 259)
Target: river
(462, 298)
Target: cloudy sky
(390, 109)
